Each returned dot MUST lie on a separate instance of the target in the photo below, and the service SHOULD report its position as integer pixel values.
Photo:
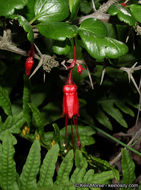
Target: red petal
(76, 105)
(79, 68)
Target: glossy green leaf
(74, 6)
(7, 163)
(48, 167)
(103, 119)
(8, 7)
(128, 168)
(26, 26)
(57, 30)
(53, 10)
(61, 50)
(93, 34)
(5, 101)
(136, 11)
(30, 7)
(94, 26)
(31, 167)
(122, 13)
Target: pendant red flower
(28, 65)
(71, 107)
(29, 61)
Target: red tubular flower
(71, 107)
(29, 61)
(123, 4)
(28, 65)
(79, 68)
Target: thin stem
(31, 22)
(118, 141)
(72, 135)
(74, 50)
(66, 122)
(69, 81)
(93, 4)
(114, 139)
(77, 133)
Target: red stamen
(66, 122)
(72, 135)
(76, 127)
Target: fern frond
(7, 163)
(65, 169)
(36, 115)
(103, 119)
(26, 100)
(108, 107)
(48, 167)
(128, 168)
(5, 101)
(103, 177)
(12, 124)
(31, 168)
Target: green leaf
(36, 115)
(96, 27)
(123, 14)
(57, 30)
(26, 100)
(121, 105)
(104, 164)
(48, 167)
(7, 163)
(61, 50)
(38, 98)
(103, 119)
(51, 10)
(30, 10)
(65, 169)
(5, 101)
(103, 177)
(81, 165)
(93, 34)
(85, 134)
(85, 7)
(26, 26)
(74, 6)
(108, 107)
(12, 124)
(31, 167)
(136, 11)
(128, 168)
(8, 7)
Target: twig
(100, 13)
(93, 5)
(130, 71)
(112, 162)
